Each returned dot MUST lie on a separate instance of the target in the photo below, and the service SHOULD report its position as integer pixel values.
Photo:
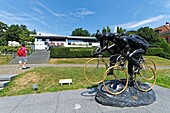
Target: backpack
(20, 52)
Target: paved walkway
(72, 101)
(77, 101)
(37, 57)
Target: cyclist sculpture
(132, 46)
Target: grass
(163, 78)
(158, 60)
(4, 59)
(47, 78)
(68, 60)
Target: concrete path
(77, 101)
(37, 57)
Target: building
(42, 41)
(13, 43)
(164, 31)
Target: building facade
(164, 31)
(41, 42)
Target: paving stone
(3, 83)
(7, 77)
(8, 104)
(67, 101)
(41, 98)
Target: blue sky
(61, 17)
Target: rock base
(132, 96)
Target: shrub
(154, 51)
(66, 52)
(164, 55)
(166, 47)
(70, 52)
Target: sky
(61, 17)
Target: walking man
(22, 53)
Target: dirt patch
(27, 80)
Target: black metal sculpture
(132, 46)
(122, 49)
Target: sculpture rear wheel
(94, 70)
(145, 79)
(149, 62)
(115, 86)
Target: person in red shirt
(23, 58)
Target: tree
(132, 32)
(23, 27)
(150, 35)
(3, 28)
(80, 32)
(93, 34)
(104, 30)
(12, 34)
(33, 32)
(108, 29)
(25, 34)
(120, 30)
(15, 33)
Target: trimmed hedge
(158, 52)
(70, 52)
(164, 55)
(154, 51)
(67, 52)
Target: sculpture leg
(112, 63)
(130, 72)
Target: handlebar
(96, 51)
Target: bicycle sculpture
(117, 76)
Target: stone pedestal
(130, 97)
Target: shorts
(22, 59)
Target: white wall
(13, 43)
(40, 45)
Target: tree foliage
(107, 29)
(12, 33)
(80, 32)
(150, 35)
(3, 28)
(120, 30)
(15, 33)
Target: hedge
(154, 51)
(158, 52)
(67, 52)
(13, 49)
(70, 52)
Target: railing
(6, 56)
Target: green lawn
(158, 60)
(47, 78)
(4, 59)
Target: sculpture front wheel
(115, 86)
(145, 79)
(94, 70)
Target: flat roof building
(41, 41)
